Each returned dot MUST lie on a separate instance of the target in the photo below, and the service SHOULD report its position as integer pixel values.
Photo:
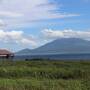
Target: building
(6, 54)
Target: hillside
(61, 46)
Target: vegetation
(44, 75)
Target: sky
(32, 23)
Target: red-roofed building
(5, 53)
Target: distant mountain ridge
(60, 46)
(24, 51)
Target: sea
(54, 57)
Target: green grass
(45, 75)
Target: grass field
(45, 75)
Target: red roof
(4, 52)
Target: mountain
(23, 52)
(61, 46)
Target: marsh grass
(44, 75)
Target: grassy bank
(45, 75)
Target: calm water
(57, 57)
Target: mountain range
(59, 46)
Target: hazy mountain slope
(24, 51)
(64, 45)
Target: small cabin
(5, 54)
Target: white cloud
(1, 23)
(9, 14)
(49, 34)
(17, 37)
(29, 10)
(14, 13)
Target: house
(6, 54)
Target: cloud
(17, 37)
(25, 13)
(1, 23)
(16, 12)
(49, 34)
(9, 14)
